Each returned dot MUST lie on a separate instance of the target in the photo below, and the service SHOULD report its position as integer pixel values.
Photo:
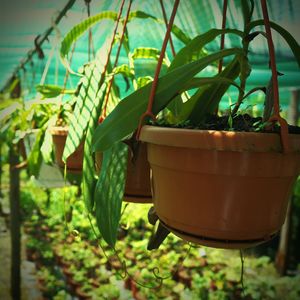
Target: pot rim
(217, 140)
(59, 130)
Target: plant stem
(242, 269)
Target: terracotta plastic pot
(221, 189)
(75, 160)
(137, 186)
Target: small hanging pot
(137, 186)
(75, 160)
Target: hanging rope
(276, 116)
(166, 22)
(104, 111)
(45, 72)
(90, 44)
(222, 43)
(110, 49)
(67, 70)
(159, 64)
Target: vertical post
(1, 195)
(282, 253)
(15, 218)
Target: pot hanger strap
(149, 112)
(46, 69)
(109, 52)
(275, 118)
(103, 116)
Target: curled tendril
(124, 271)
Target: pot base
(217, 243)
(137, 198)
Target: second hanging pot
(137, 185)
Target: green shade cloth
(22, 21)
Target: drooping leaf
(88, 176)
(125, 117)
(81, 28)
(142, 81)
(148, 53)
(35, 157)
(179, 33)
(109, 191)
(124, 70)
(85, 103)
(145, 52)
(46, 148)
(194, 49)
(52, 91)
(140, 15)
(293, 44)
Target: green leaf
(35, 157)
(145, 52)
(81, 28)
(125, 117)
(140, 15)
(142, 81)
(184, 109)
(208, 99)
(51, 91)
(88, 177)
(194, 49)
(46, 148)
(247, 9)
(109, 191)
(200, 81)
(148, 53)
(124, 70)
(180, 34)
(85, 103)
(293, 44)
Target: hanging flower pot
(74, 161)
(218, 188)
(226, 187)
(137, 186)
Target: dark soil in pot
(238, 123)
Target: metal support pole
(15, 220)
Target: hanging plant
(204, 170)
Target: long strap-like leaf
(194, 49)
(81, 28)
(125, 117)
(85, 103)
(207, 100)
(109, 191)
(293, 44)
(88, 177)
